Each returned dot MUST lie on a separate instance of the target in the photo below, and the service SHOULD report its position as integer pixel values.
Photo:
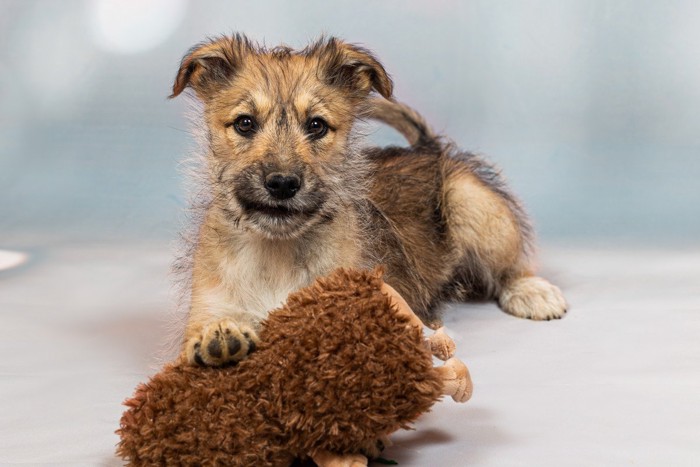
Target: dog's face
(279, 126)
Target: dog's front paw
(533, 298)
(221, 343)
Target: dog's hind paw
(221, 343)
(533, 298)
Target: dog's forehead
(266, 84)
(285, 78)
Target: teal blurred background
(592, 108)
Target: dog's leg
(486, 234)
(329, 459)
(218, 332)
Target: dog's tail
(405, 120)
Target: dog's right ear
(209, 66)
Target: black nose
(282, 186)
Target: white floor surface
(617, 382)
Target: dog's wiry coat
(440, 221)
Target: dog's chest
(259, 275)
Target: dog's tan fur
(440, 221)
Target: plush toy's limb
(329, 459)
(434, 324)
(454, 372)
(403, 308)
(442, 345)
(457, 381)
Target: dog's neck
(321, 249)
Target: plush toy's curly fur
(338, 369)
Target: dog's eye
(317, 128)
(245, 125)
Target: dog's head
(279, 126)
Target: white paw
(533, 298)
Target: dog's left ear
(352, 68)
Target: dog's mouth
(271, 210)
(279, 212)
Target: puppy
(293, 196)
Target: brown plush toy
(341, 366)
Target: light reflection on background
(134, 26)
(11, 259)
(589, 106)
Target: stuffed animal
(340, 366)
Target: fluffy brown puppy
(339, 367)
(291, 194)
